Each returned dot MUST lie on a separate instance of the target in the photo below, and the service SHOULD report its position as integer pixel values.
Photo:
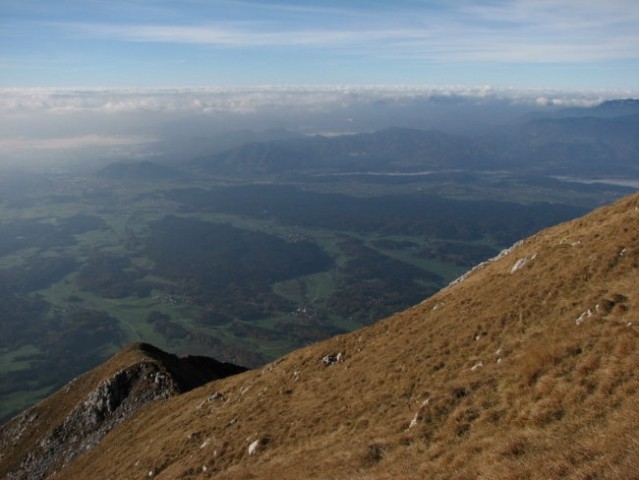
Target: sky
(143, 78)
(561, 44)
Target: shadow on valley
(415, 214)
(243, 273)
(229, 270)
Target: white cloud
(255, 99)
(539, 31)
(241, 34)
(59, 124)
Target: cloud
(244, 34)
(554, 30)
(551, 42)
(222, 100)
(540, 31)
(61, 124)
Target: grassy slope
(551, 398)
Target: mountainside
(524, 368)
(72, 421)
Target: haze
(88, 127)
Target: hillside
(523, 369)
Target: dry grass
(490, 379)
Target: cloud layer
(251, 100)
(58, 124)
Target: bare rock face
(113, 401)
(106, 405)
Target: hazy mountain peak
(621, 104)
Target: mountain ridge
(591, 145)
(400, 148)
(73, 420)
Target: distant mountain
(523, 368)
(571, 145)
(194, 138)
(581, 145)
(233, 139)
(139, 171)
(393, 149)
(607, 109)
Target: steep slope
(74, 420)
(526, 368)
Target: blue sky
(568, 44)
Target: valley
(249, 251)
(243, 270)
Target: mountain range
(598, 141)
(523, 368)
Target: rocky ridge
(139, 375)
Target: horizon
(135, 79)
(54, 126)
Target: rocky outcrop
(112, 401)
